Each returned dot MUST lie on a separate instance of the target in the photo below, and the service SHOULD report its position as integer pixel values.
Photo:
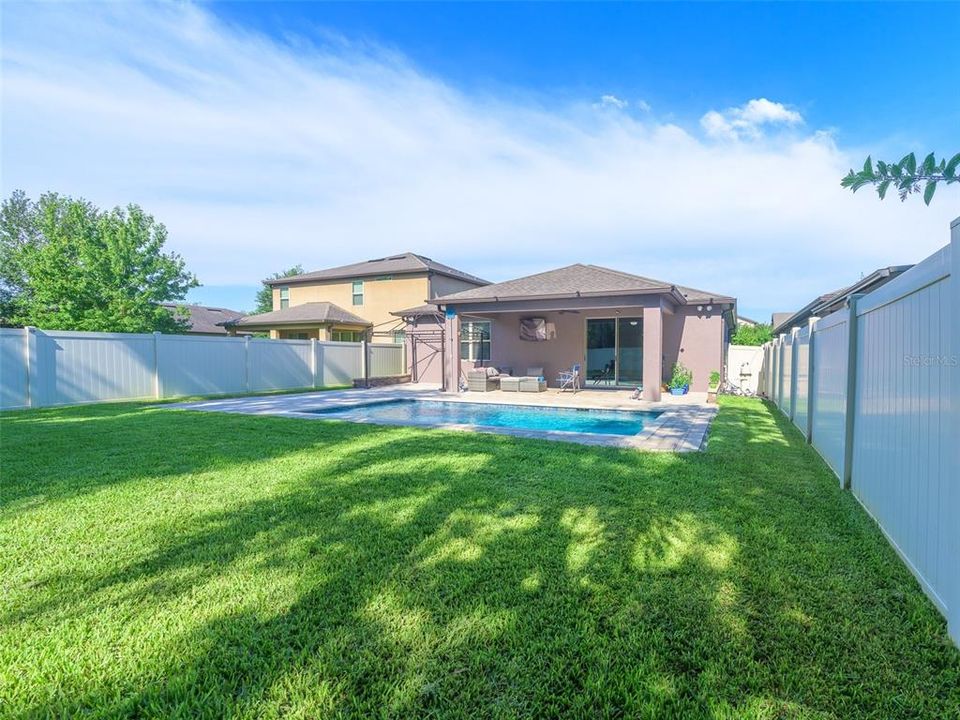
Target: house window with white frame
(284, 298)
(475, 340)
(358, 292)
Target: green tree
(751, 334)
(265, 293)
(906, 176)
(18, 230)
(76, 267)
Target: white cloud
(642, 105)
(259, 155)
(612, 101)
(747, 121)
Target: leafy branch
(906, 176)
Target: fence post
(780, 354)
(30, 361)
(794, 333)
(363, 361)
(157, 395)
(811, 389)
(953, 600)
(313, 361)
(246, 363)
(850, 411)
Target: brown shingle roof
(405, 263)
(415, 311)
(575, 280)
(205, 320)
(312, 312)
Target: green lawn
(166, 563)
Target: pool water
(518, 417)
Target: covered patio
(623, 331)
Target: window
(358, 292)
(297, 336)
(475, 340)
(284, 297)
(399, 336)
(346, 335)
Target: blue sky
(700, 144)
(835, 62)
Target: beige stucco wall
(380, 297)
(697, 340)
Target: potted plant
(680, 381)
(712, 386)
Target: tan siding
(380, 297)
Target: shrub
(681, 376)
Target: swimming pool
(489, 415)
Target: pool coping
(678, 428)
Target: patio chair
(606, 374)
(569, 378)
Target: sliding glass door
(614, 352)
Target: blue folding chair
(569, 378)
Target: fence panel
(342, 362)
(13, 368)
(801, 371)
(785, 397)
(82, 367)
(386, 360)
(279, 364)
(744, 366)
(903, 469)
(828, 401)
(201, 365)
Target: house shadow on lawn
(408, 573)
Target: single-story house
(204, 320)
(623, 330)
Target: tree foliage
(66, 265)
(752, 334)
(906, 176)
(265, 293)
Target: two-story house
(354, 302)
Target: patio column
(451, 352)
(652, 353)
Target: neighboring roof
(416, 311)
(204, 319)
(312, 312)
(831, 302)
(744, 320)
(403, 264)
(577, 281)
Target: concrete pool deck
(681, 426)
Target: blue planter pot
(680, 390)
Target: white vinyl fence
(744, 365)
(875, 388)
(43, 368)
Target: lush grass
(166, 563)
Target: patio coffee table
(532, 384)
(510, 384)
